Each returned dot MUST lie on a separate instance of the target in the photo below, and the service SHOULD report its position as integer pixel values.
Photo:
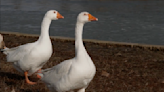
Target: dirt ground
(119, 68)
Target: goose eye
(54, 12)
(85, 14)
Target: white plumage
(73, 74)
(30, 57)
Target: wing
(16, 53)
(51, 75)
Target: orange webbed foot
(27, 80)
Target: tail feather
(12, 56)
(5, 51)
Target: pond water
(133, 21)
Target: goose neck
(79, 47)
(45, 29)
(79, 31)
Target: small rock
(104, 73)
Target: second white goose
(75, 73)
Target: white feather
(32, 56)
(73, 74)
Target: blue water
(133, 21)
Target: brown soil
(119, 68)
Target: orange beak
(92, 18)
(59, 16)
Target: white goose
(30, 57)
(76, 73)
(2, 43)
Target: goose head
(2, 44)
(86, 17)
(53, 15)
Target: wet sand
(120, 67)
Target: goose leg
(27, 80)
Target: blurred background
(133, 21)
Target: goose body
(30, 57)
(76, 73)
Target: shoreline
(132, 45)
